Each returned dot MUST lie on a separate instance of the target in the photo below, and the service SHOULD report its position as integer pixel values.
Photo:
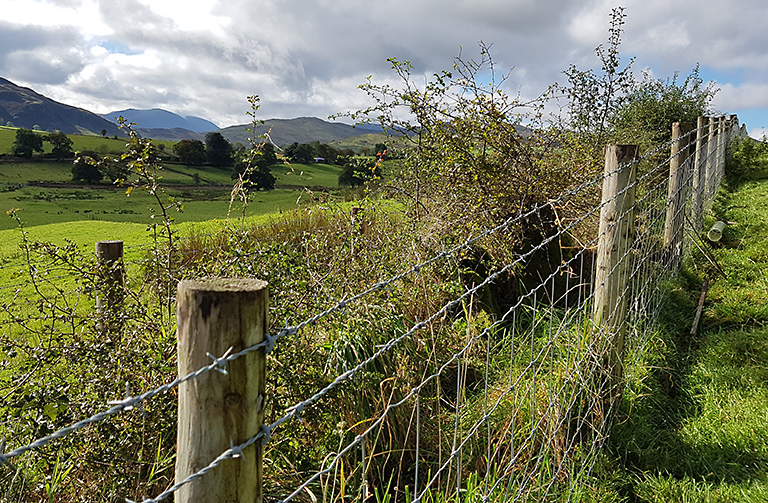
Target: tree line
(252, 165)
(27, 142)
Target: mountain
(301, 130)
(157, 118)
(23, 107)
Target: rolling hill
(157, 118)
(300, 130)
(23, 107)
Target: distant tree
(85, 171)
(190, 152)
(218, 150)
(359, 171)
(325, 151)
(301, 153)
(27, 142)
(256, 170)
(62, 145)
(114, 169)
(104, 133)
(266, 155)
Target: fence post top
(223, 284)
(622, 150)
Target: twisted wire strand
(219, 363)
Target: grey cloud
(307, 58)
(42, 66)
(36, 54)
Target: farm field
(81, 142)
(43, 193)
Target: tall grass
(697, 429)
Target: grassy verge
(698, 428)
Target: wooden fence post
(615, 240)
(699, 177)
(722, 142)
(673, 226)
(109, 261)
(711, 158)
(216, 410)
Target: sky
(308, 57)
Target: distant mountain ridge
(23, 107)
(299, 130)
(157, 118)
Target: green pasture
(81, 142)
(204, 192)
(42, 206)
(309, 175)
(14, 173)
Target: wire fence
(522, 406)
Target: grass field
(698, 430)
(203, 191)
(81, 142)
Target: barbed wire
(296, 410)
(219, 363)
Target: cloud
(747, 95)
(759, 133)
(203, 57)
(38, 54)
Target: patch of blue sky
(732, 76)
(117, 48)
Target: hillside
(23, 107)
(300, 130)
(158, 118)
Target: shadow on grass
(699, 413)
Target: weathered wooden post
(699, 172)
(109, 300)
(711, 158)
(673, 226)
(216, 410)
(615, 238)
(721, 144)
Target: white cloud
(203, 57)
(747, 95)
(82, 14)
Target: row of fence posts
(217, 315)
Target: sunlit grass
(698, 425)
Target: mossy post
(676, 195)
(109, 300)
(615, 239)
(218, 410)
